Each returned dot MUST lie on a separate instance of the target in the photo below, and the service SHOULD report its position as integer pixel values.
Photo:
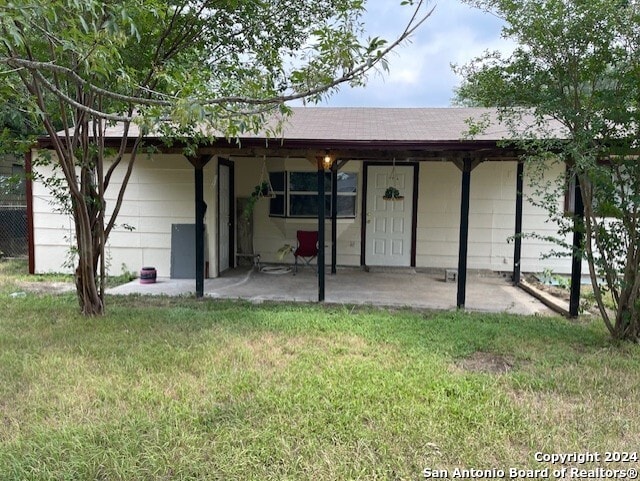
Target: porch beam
(198, 163)
(576, 258)
(462, 163)
(517, 245)
(426, 154)
(466, 167)
(341, 163)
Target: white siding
(160, 193)
(491, 219)
(535, 220)
(438, 215)
(491, 222)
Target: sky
(420, 69)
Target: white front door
(224, 217)
(388, 223)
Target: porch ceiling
(383, 151)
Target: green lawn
(175, 389)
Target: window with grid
(297, 194)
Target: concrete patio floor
(486, 292)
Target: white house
(424, 152)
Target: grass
(177, 389)
(15, 271)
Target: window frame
(289, 195)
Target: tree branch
(355, 72)
(125, 182)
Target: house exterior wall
(271, 233)
(536, 221)
(491, 219)
(491, 215)
(160, 193)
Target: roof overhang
(370, 149)
(366, 133)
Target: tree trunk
(627, 325)
(91, 303)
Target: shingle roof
(389, 124)
(378, 125)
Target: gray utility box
(183, 251)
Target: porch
(461, 205)
(420, 289)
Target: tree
(577, 63)
(18, 128)
(178, 67)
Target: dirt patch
(555, 291)
(562, 296)
(486, 362)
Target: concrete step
(390, 269)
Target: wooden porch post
(517, 247)
(334, 215)
(28, 169)
(464, 233)
(576, 259)
(321, 221)
(198, 164)
(466, 166)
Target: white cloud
(420, 73)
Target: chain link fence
(13, 210)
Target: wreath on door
(392, 193)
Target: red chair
(307, 249)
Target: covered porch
(460, 207)
(445, 220)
